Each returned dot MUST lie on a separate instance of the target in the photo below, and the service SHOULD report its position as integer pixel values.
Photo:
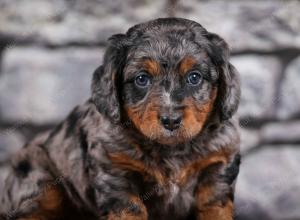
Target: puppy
(156, 140)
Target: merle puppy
(155, 141)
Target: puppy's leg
(135, 210)
(50, 205)
(53, 203)
(213, 210)
(215, 195)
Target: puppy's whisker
(186, 134)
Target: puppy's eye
(143, 80)
(194, 78)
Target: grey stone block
(4, 171)
(249, 139)
(258, 83)
(284, 132)
(269, 182)
(248, 25)
(61, 22)
(290, 91)
(10, 142)
(41, 86)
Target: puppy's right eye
(143, 80)
(194, 78)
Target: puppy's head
(167, 76)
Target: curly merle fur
(100, 157)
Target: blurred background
(49, 49)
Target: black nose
(171, 122)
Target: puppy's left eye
(194, 78)
(143, 80)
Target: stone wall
(49, 50)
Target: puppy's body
(83, 168)
(112, 159)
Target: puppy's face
(167, 76)
(169, 88)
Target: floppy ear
(105, 88)
(229, 84)
(229, 91)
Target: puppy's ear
(229, 83)
(105, 83)
(229, 91)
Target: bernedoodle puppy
(156, 140)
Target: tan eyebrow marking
(151, 66)
(186, 64)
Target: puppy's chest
(170, 197)
(166, 186)
(171, 191)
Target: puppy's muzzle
(171, 120)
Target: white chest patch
(174, 191)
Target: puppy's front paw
(133, 209)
